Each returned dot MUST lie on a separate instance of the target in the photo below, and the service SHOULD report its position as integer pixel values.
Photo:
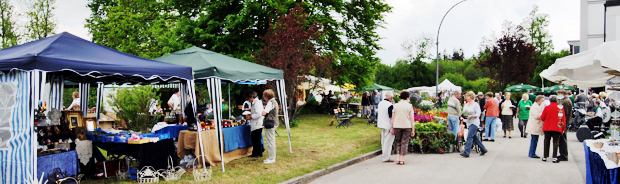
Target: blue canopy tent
(25, 68)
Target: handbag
(498, 123)
(269, 123)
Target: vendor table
(65, 161)
(596, 172)
(171, 131)
(148, 154)
(237, 143)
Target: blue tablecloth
(596, 172)
(170, 132)
(236, 138)
(66, 161)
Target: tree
(8, 35)
(40, 19)
(512, 59)
(142, 27)
(544, 61)
(536, 25)
(458, 55)
(290, 46)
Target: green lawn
(316, 145)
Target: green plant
(131, 105)
(431, 138)
(294, 123)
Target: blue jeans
(453, 124)
(489, 130)
(533, 145)
(472, 137)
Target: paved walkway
(506, 162)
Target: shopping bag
(498, 123)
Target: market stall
(28, 67)
(602, 161)
(213, 68)
(446, 85)
(236, 139)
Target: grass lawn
(316, 145)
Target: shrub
(431, 138)
(132, 105)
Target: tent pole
(282, 94)
(215, 87)
(191, 86)
(229, 104)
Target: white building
(600, 22)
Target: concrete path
(506, 163)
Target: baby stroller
(461, 139)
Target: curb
(307, 178)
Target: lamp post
(437, 47)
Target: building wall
(613, 23)
(598, 24)
(592, 23)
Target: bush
(132, 105)
(431, 138)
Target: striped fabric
(99, 101)
(18, 160)
(214, 85)
(281, 87)
(56, 92)
(84, 87)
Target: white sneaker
(269, 161)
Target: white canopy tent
(446, 85)
(423, 89)
(320, 84)
(591, 68)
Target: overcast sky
(464, 27)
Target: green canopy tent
(377, 87)
(521, 88)
(214, 67)
(556, 88)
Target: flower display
(423, 118)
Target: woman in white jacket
(534, 124)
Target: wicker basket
(201, 174)
(148, 174)
(173, 173)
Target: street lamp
(437, 47)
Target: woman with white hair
(454, 112)
(523, 113)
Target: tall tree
(536, 30)
(236, 27)
(40, 19)
(290, 46)
(142, 27)
(8, 35)
(512, 59)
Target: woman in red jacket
(553, 126)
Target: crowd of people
(480, 115)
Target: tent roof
(211, 64)
(66, 52)
(376, 86)
(447, 85)
(590, 68)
